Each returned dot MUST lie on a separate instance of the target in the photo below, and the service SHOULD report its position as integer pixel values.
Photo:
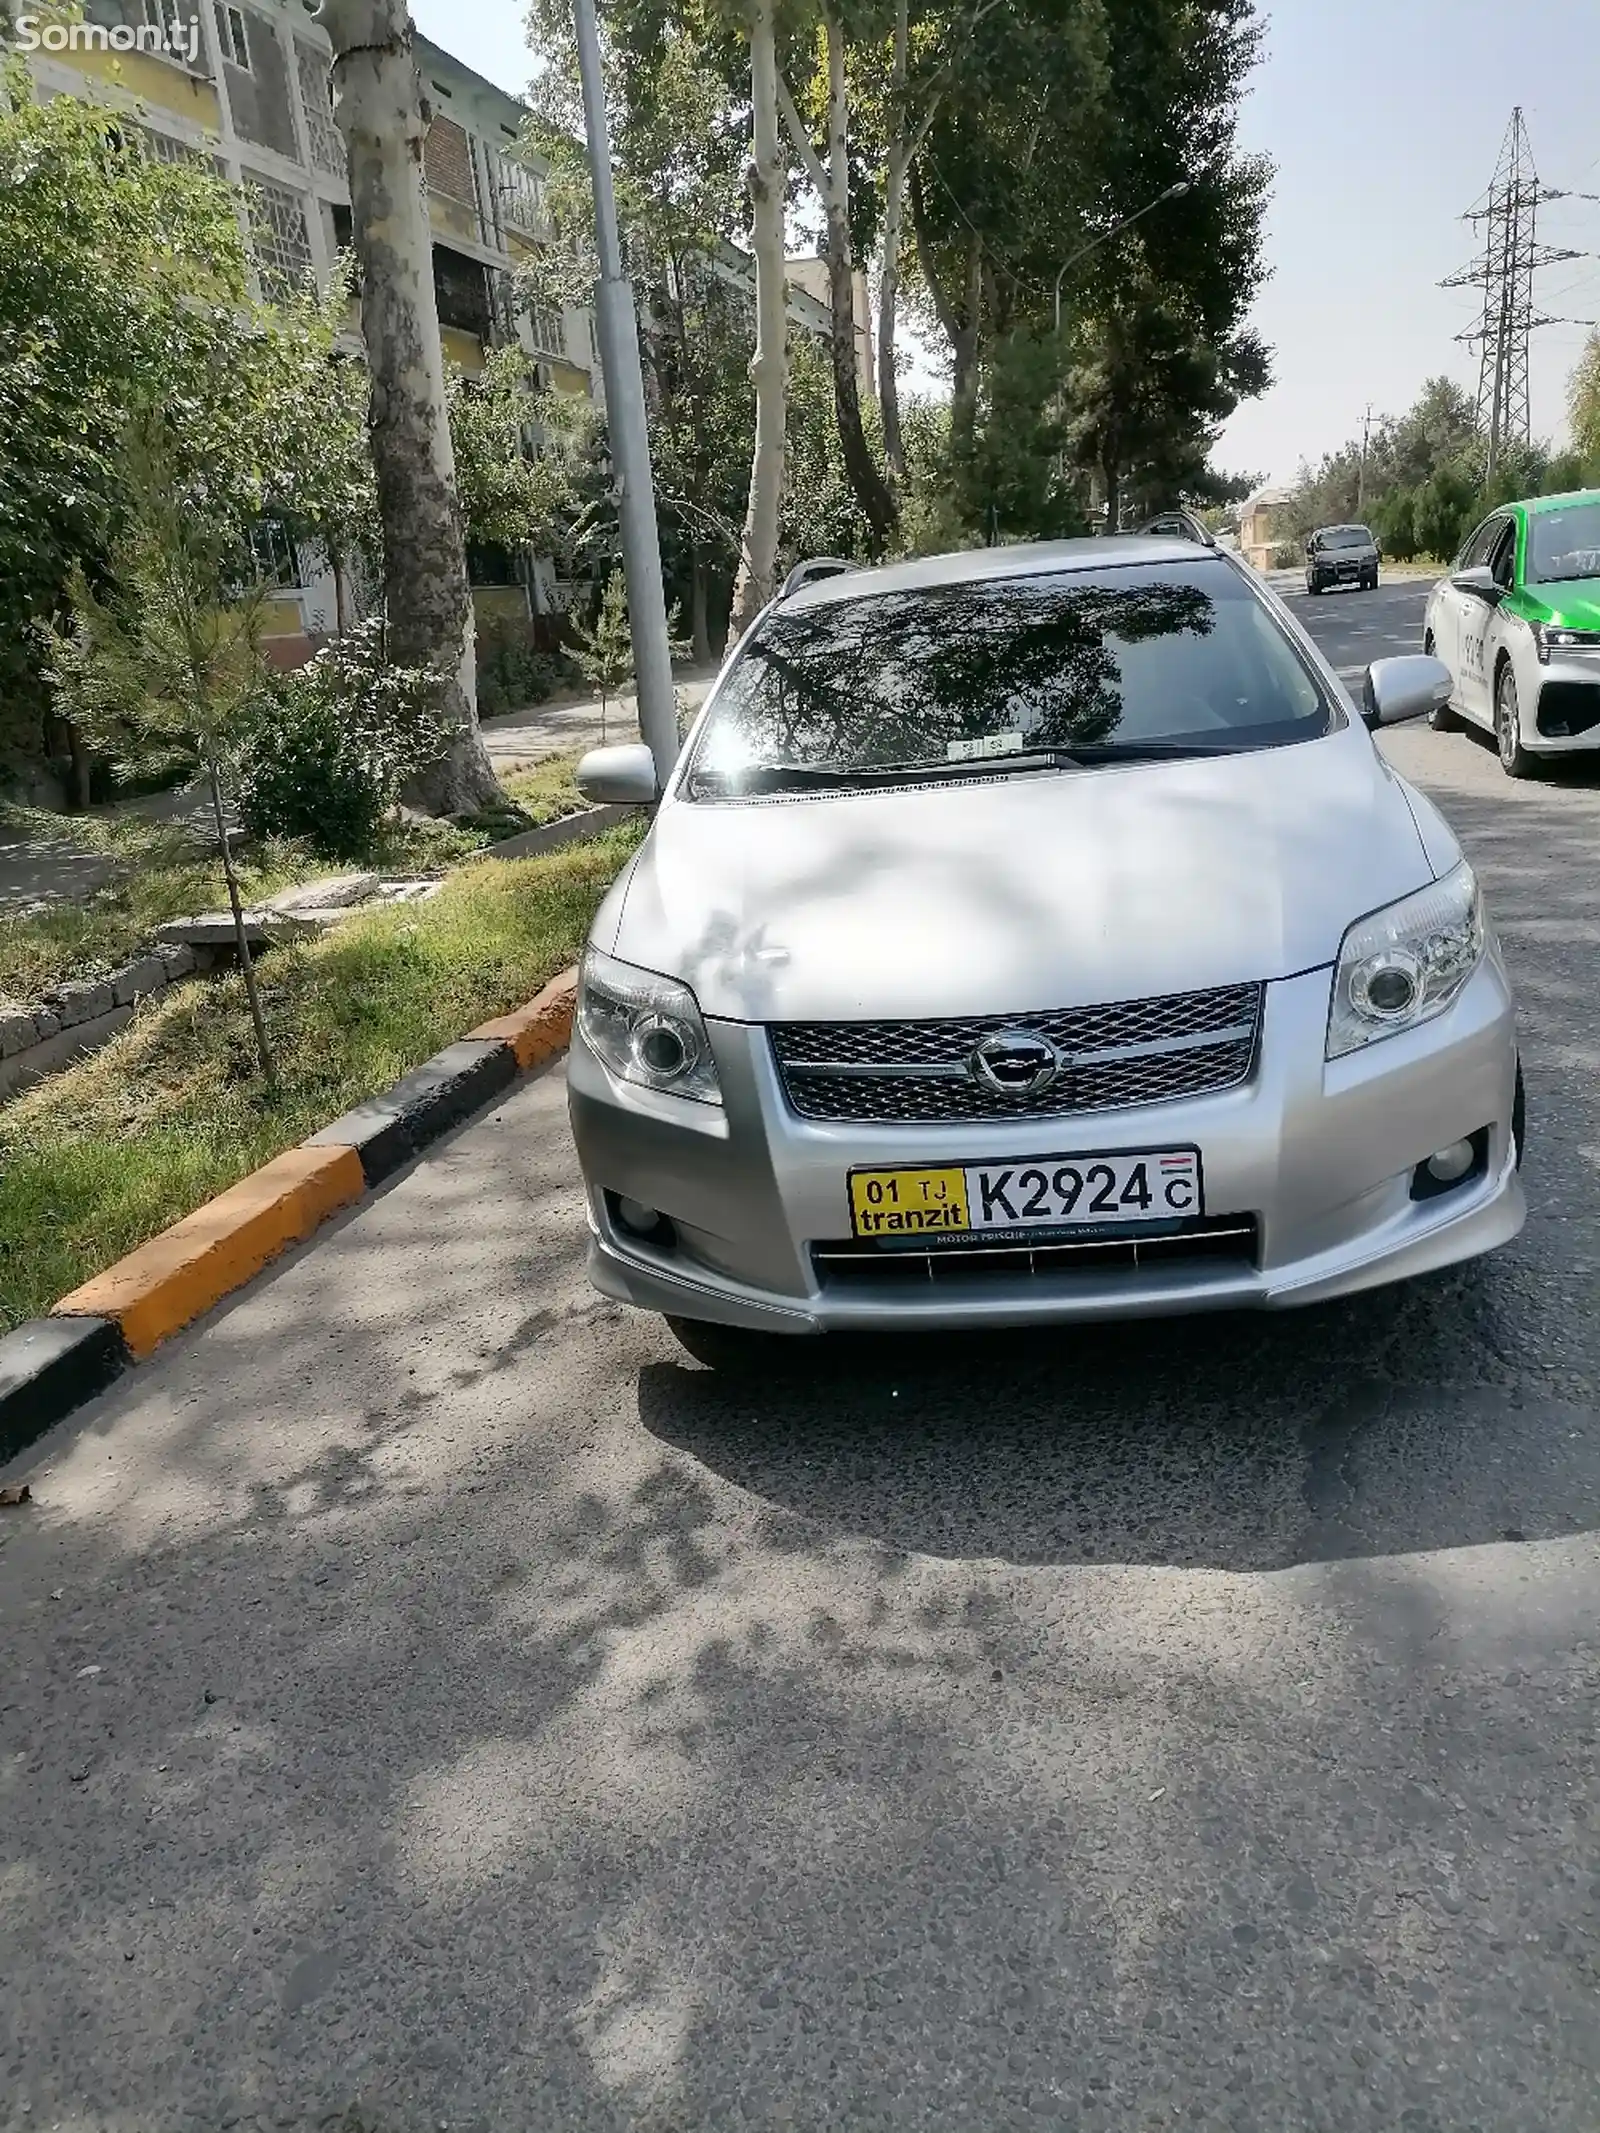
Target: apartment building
(254, 100)
(244, 84)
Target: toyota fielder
(1032, 935)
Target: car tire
(1519, 1117)
(1313, 586)
(733, 1350)
(1515, 760)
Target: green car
(1517, 622)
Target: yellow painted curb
(158, 1289)
(539, 1030)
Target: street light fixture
(1175, 191)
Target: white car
(1517, 622)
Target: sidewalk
(561, 726)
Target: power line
(1504, 270)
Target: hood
(1567, 603)
(1050, 890)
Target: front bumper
(1320, 1155)
(1560, 704)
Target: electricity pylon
(1504, 271)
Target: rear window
(961, 675)
(1564, 543)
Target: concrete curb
(47, 1368)
(567, 829)
(391, 1128)
(52, 1365)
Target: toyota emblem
(1015, 1062)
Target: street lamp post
(618, 324)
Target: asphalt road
(429, 1699)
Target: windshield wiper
(840, 777)
(1154, 751)
(809, 777)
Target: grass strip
(161, 872)
(100, 1158)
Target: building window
(273, 553)
(231, 30)
(278, 235)
(488, 565)
(165, 16)
(520, 192)
(548, 336)
(165, 148)
(316, 98)
(461, 292)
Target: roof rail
(813, 568)
(1182, 526)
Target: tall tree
(679, 145)
(693, 108)
(1583, 405)
(831, 180)
(379, 110)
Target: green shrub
(333, 744)
(513, 672)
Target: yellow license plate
(890, 1203)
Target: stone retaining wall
(78, 1017)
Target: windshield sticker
(1008, 743)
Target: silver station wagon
(1031, 935)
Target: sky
(1384, 118)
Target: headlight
(1405, 964)
(1551, 637)
(645, 1028)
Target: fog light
(1446, 1165)
(637, 1219)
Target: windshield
(1346, 537)
(1564, 544)
(950, 680)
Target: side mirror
(623, 776)
(1481, 581)
(1394, 690)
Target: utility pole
(617, 319)
(1361, 464)
(1504, 271)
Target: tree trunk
(959, 318)
(964, 344)
(1111, 475)
(699, 628)
(80, 765)
(894, 449)
(769, 367)
(894, 191)
(378, 108)
(247, 968)
(867, 484)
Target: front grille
(870, 1263)
(1134, 1052)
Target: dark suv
(1341, 555)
